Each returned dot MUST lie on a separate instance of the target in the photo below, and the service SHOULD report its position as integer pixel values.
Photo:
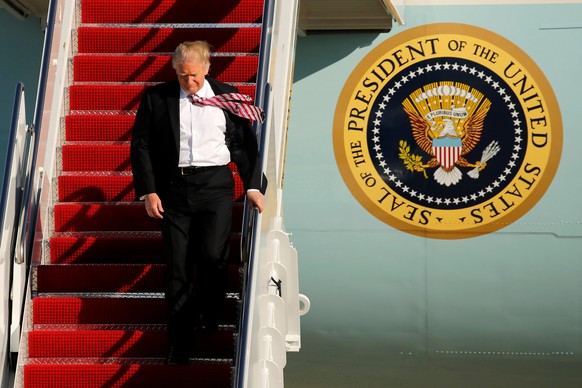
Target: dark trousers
(196, 230)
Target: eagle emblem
(447, 122)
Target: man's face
(191, 76)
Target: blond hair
(192, 52)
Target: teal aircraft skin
(390, 308)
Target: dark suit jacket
(156, 140)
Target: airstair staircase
(95, 313)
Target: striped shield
(447, 150)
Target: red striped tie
(236, 103)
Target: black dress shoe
(177, 356)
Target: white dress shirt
(202, 131)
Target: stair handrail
(249, 242)
(11, 155)
(31, 205)
(10, 208)
(261, 100)
(31, 187)
(251, 217)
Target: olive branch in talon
(412, 162)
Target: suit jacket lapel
(173, 106)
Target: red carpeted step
(156, 68)
(115, 247)
(118, 97)
(113, 278)
(120, 343)
(100, 278)
(96, 157)
(105, 97)
(119, 248)
(96, 188)
(84, 217)
(126, 375)
(90, 187)
(164, 40)
(68, 310)
(83, 311)
(171, 11)
(96, 127)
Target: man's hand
(256, 200)
(153, 206)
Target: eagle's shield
(447, 150)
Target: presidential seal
(447, 131)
